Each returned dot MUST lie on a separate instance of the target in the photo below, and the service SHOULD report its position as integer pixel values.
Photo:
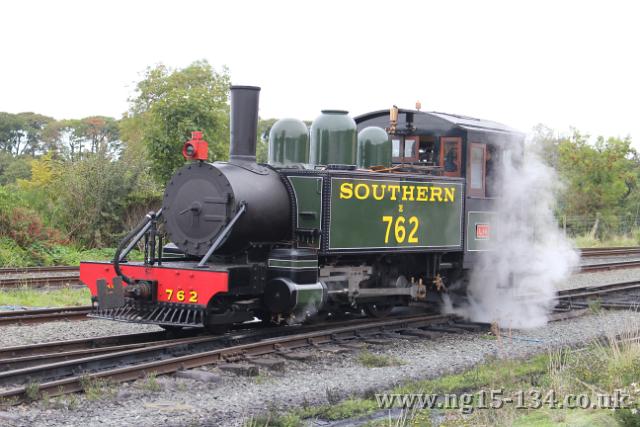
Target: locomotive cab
(453, 145)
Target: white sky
(561, 63)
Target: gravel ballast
(234, 399)
(13, 335)
(227, 399)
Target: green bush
(627, 417)
(12, 255)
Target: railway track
(605, 252)
(79, 313)
(53, 281)
(171, 355)
(39, 276)
(608, 266)
(29, 270)
(44, 315)
(68, 366)
(36, 276)
(620, 296)
(615, 296)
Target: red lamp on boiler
(196, 148)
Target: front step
(172, 315)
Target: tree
(22, 133)
(170, 104)
(600, 178)
(13, 168)
(262, 147)
(34, 125)
(101, 133)
(92, 195)
(74, 137)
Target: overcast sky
(560, 63)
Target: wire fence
(599, 227)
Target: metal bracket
(222, 236)
(139, 236)
(110, 296)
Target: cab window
(409, 148)
(492, 163)
(427, 151)
(476, 171)
(450, 155)
(395, 149)
(406, 152)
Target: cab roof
(443, 121)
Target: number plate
(482, 231)
(188, 296)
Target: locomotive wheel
(377, 310)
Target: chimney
(244, 123)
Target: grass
(596, 368)
(32, 391)
(586, 241)
(274, 419)
(150, 383)
(348, 408)
(29, 297)
(261, 378)
(12, 255)
(371, 360)
(595, 306)
(98, 388)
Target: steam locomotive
(363, 214)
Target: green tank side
(333, 139)
(288, 143)
(374, 147)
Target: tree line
(599, 180)
(86, 181)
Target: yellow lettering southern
(360, 195)
(397, 192)
(449, 194)
(407, 192)
(393, 190)
(436, 192)
(346, 190)
(423, 195)
(376, 195)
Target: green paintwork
(292, 263)
(310, 299)
(374, 147)
(308, 192)
(333, 139)
(288, 142)
(481, 219)
(359, 223)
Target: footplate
(162, 314)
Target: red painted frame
(205, 283)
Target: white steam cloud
(515, 284)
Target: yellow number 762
(180, 295)
(399, 229)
